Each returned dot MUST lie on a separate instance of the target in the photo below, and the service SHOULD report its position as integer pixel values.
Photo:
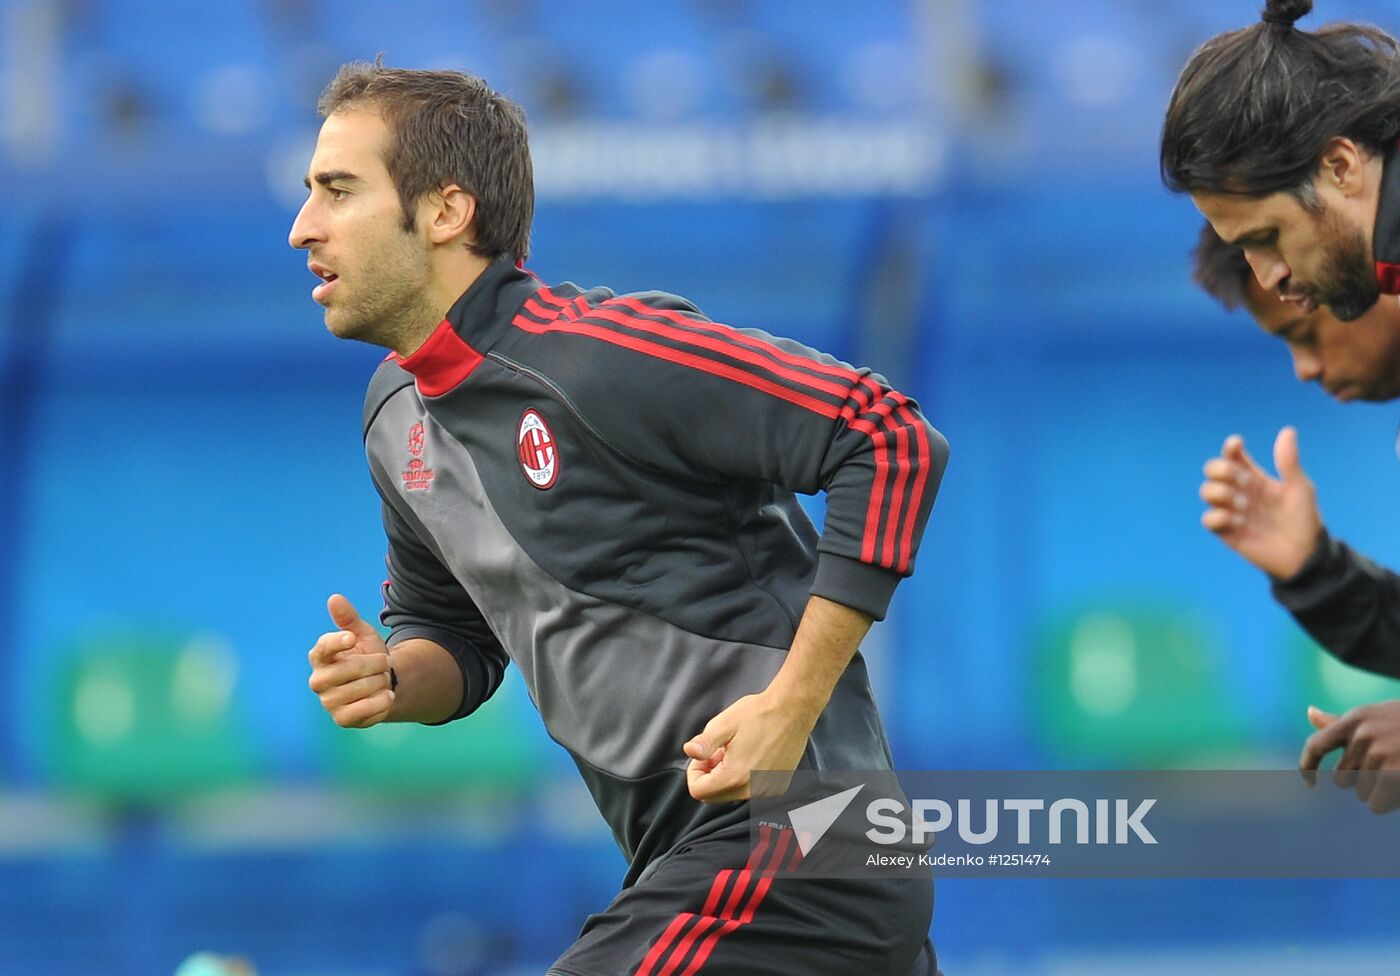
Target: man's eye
(336, 194)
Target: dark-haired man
(1347, 603)
(600, 489)
(1284, 141)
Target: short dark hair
(1255, 108)
(449, 127)
(1220, 269)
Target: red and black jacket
(600, 488)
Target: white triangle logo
(811, 821)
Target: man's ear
(451, 214)
(1341, 166)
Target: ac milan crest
(536, 448)
(415, 439)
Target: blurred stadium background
(961, 192)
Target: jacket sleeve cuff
(471, 678)
(854, 584)
(1315, 580)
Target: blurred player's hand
(756, 732)
(1370, 736)
(1272, 522)
(350, 669)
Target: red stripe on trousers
(716, 890)
(765, 882)
(659, 949)
(683, 947)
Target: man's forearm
(429, 681)
(826, 640)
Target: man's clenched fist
(350, 669)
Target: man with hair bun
(1349, 605)
(1284, 139)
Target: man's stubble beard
(1347, 284)
(395, 312)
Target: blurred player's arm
(1369, 736)
(1347, 603)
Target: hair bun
(1284, 12)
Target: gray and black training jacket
(599, 488)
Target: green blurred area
(146, 717)
(150, 716)
(1134, 686)
(153, 716)
(1320, 679)
(1141, 685)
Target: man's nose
(305, 231)
(1269, 270)
(1306, 365)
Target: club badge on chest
(537, 450)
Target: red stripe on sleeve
(916, 495)
(657, 351)
(838, 370)
(897, 509)
(899, 465)
(871, 535)
(729, 349)
(693, 338)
